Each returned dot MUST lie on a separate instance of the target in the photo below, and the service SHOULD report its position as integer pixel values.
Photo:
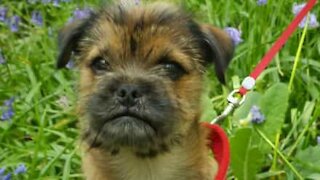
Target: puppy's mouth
(129, 116)
(126, 128)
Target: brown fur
(135, 41)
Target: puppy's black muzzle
(128, 95)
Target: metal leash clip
(234, 102)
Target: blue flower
(55, 2)
(36, 18)
(8, 113)
(20, 169)
(261, 2)
(7, 177)
(3, 13)
(70, 64)
(2, 170)
(234, 34)
(296, 8)
(82, 13)
(256, 116)
(9, 102)
(313, 22)
(2, 60)
(14, 23)
(318, 140)
(46, 1)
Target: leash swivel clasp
(235, 99)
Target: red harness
(219, 144)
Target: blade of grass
(46, 168)
(283, 157)
(67, 166)
(297, 57)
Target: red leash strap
(219, 144)
(279, 44)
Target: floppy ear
(218, 49)
(68, 40)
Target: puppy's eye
(173, 70)
(99, 65)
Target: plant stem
(274, 163)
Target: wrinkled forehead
(152, 31)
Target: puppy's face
(141, 74)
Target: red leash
(277, 45)
(219, 143)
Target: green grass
(43, 134)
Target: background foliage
(40, 132)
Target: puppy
(141, 78)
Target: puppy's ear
(68, 40)
(218, 49)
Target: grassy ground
(42, 132)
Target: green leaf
(307, 162)
(273, 104)
(246, 160)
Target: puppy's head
(141, 74)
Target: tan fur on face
(136, 41)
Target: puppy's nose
(128, 94)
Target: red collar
(219, 144)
